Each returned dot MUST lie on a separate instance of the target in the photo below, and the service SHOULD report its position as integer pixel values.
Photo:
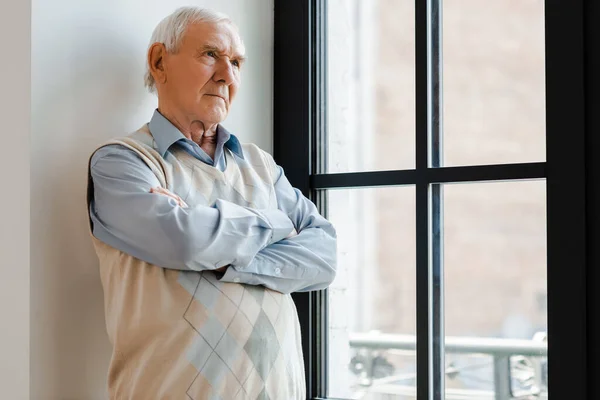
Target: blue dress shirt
(154, 228)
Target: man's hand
(170, 194)
(292, 234)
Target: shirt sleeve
(302, 263)
(155, 229)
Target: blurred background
(494, 233)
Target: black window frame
(571, 172)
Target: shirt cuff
(281, 224)
(234, 276)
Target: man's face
(203, 77)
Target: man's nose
(224, 73)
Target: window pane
(372, 302)
(495, 289)
(494, 71)
(371, 88)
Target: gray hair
(171, 29)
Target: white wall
(14, 200)
(87, 66)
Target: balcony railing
(519, 366)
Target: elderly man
(200, 238)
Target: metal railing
(532, 352)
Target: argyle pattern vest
(185, 334)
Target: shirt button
(236, 280)
(277, 271)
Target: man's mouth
(216, 95)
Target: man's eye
(211, 54)
(235, 63)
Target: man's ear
(156, 62)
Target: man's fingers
(160, 190)
(292, 234)
(166, 192)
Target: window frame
(300, 100)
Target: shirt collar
(166, 134)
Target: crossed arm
(257, 247)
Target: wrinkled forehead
(222, 36)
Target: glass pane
(494, 91)
(372, 302)
(495, 290)
(371, 88)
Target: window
(441, 157)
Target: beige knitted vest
(184, 334)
